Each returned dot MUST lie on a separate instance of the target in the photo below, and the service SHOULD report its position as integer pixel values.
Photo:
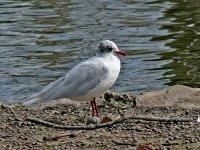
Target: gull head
(107, 46)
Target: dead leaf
(106, 119)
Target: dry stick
(114, 121)
(122, 143)
(57, 137)
(169, 144)
(134, 144)
(12, 111)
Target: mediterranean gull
(87, 80)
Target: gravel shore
(178, 101)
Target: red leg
(92, 104)
(95, 108)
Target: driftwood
(107, 124)
(145, 145)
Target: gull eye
(109, 48)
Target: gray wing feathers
(45, 93)
(77, 82)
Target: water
(41, 40)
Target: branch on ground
(107, 124)
(122, 143)
(143, 146)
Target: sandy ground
(177, 101)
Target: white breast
(111, 67)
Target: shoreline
(174, 102)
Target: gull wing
(78, 81)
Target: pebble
(186, 112)
(154, 130)
(192, 140)
(20, 124)
(110, 129)
(98, 142)
(163, 126)
(168, 148)
(32, 127)
(191, 124)
(188, 147)
(116, 131)
(35, 143)
(176, 137)
(197, 138)
(147, 126)
(170, 133)
(167, 141)
(170, 139)
(69, 110)
(93, 120)
(82, 144)
(28, 123)
(138, 129)
(138, 122)
(9, 118)
(25, 138)
(187, 141)
(135, 139)
(159, 131)
(144, 137)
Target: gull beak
(120, 52)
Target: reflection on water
(184, 32)
(41, 40)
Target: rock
(170, 139)
(138, 129)
(168, 148)
(186, 112)
(187, 141)
(93, 120)
(170, 133)
(176, 137)
(192, 140)
(182, 96)
(197, 138)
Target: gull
(87, 80)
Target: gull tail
(32, 101)
(47, 94)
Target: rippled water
(41, 40)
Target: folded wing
(78, 81)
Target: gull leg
(92, 104)
(95, 108)
(95, 114)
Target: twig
(145, 145)
(120, 143)
(114, 121)
(12, 112)
(57, 137)
(169, 144)
(88, 127)
(161, 119)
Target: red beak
(121, 53)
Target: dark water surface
(41, 40)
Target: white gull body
(87, 80)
